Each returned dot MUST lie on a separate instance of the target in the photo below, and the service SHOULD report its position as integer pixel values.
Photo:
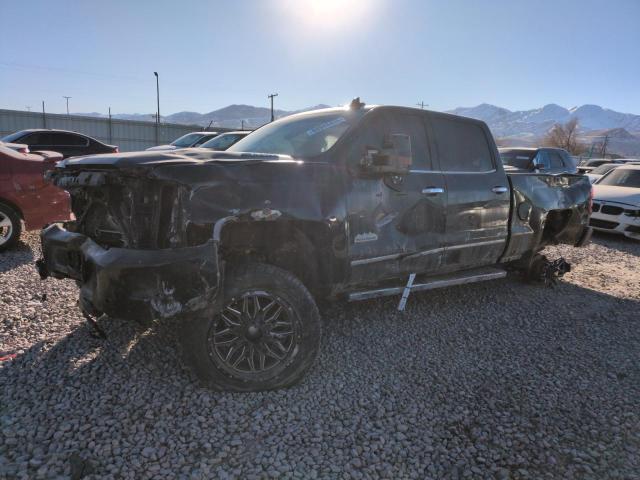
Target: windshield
(602, 169)
(222, 142)
(517, 158)
(12, 137)
(303, 135)
(622, 177)
(187, 140)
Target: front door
(478, 203)
(396, 223)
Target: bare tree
(565, 136)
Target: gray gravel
(495, 380)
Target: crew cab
(352, 203)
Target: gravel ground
(495, 380)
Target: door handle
(499, 189)
(432, 190)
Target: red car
(26, 196)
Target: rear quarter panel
(533, 198)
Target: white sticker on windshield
(325, 126)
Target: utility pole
(110, 128)
(422, 104)
(44, 116)
(67, 103)
(241, 124)
(271, 96)
(604, 146)
(158, 111)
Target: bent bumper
(132, 284)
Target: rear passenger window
(462, 146)
(67, 140)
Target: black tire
(253, 331)
(10, 227)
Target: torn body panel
(546, 210)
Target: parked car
(599, 171)
(586, 166)
(69, 144)
(193, 139)
(334, 203)
(616, 202)
(548, 160)
(25, 196)
(225, 140)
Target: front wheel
(265, 336)
(10, 227)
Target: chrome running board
(431, 283)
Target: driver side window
(381, 125)
(542, 158)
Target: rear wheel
(10, 227)
(265, 336)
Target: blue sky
(513, 53)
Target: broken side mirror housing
(394, 157)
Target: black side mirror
(394, 157)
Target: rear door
(477, 189)
(70, 145)
(396, 223)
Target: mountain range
(526, 127)
(520, 127)
(232, 116)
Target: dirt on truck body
(352, 203)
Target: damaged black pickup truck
(352, 203)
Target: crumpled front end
(132, 284)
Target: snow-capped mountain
(507, 123)
(526, 127)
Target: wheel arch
(12, 206)
(301, 247)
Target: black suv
(69, 144)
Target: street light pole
(67, 103)
(158, 111)
(271, 97)
(158, 94)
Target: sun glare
(314, 16)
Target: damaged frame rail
(133, 283)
